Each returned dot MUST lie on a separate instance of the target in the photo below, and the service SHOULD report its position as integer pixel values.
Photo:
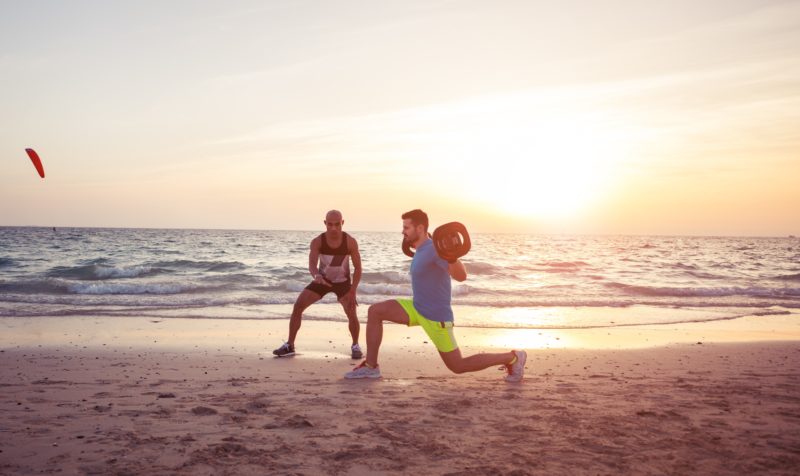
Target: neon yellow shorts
(441, 333)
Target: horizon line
(657, 235)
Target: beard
(411, 236)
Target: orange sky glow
(623, 118)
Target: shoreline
(258, 336)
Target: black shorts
(339, 288)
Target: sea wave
(684, 266)
(93, 272)
(386, 289)
(483, 269)
(55, 286)
(32, 286)
(704, 275)
(563, 264)
(233, 279)
(391, 277)
(752, 291)
(125, 288)
(213, 266)
(7, 262)
(85, 304)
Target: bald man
(328, 263)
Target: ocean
(515, 280)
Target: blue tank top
(430, 282)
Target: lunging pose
(435, 262)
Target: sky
(612, 117)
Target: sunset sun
(532, 167)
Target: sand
(153, 397)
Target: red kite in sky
(37, 162)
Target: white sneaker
(355, 351)
(517, 369)
(364, 371)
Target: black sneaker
(355, 351)
(285, 350)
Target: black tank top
(334, 263)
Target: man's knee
(299, 307)
(454, 364)
(374, 313)
(389, 311)
(455, 367)
(304, 300)
(379, 311)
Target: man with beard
(430, 309)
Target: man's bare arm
(457, 270)
(313, 262)
(355, 255)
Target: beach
(182, 396)
(610, 187)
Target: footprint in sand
(256, 406)
(297, 421)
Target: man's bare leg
(352, 322)
(385, 311)
(305, 299)
(458, 364)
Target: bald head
(333, 223)
(333, 215)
